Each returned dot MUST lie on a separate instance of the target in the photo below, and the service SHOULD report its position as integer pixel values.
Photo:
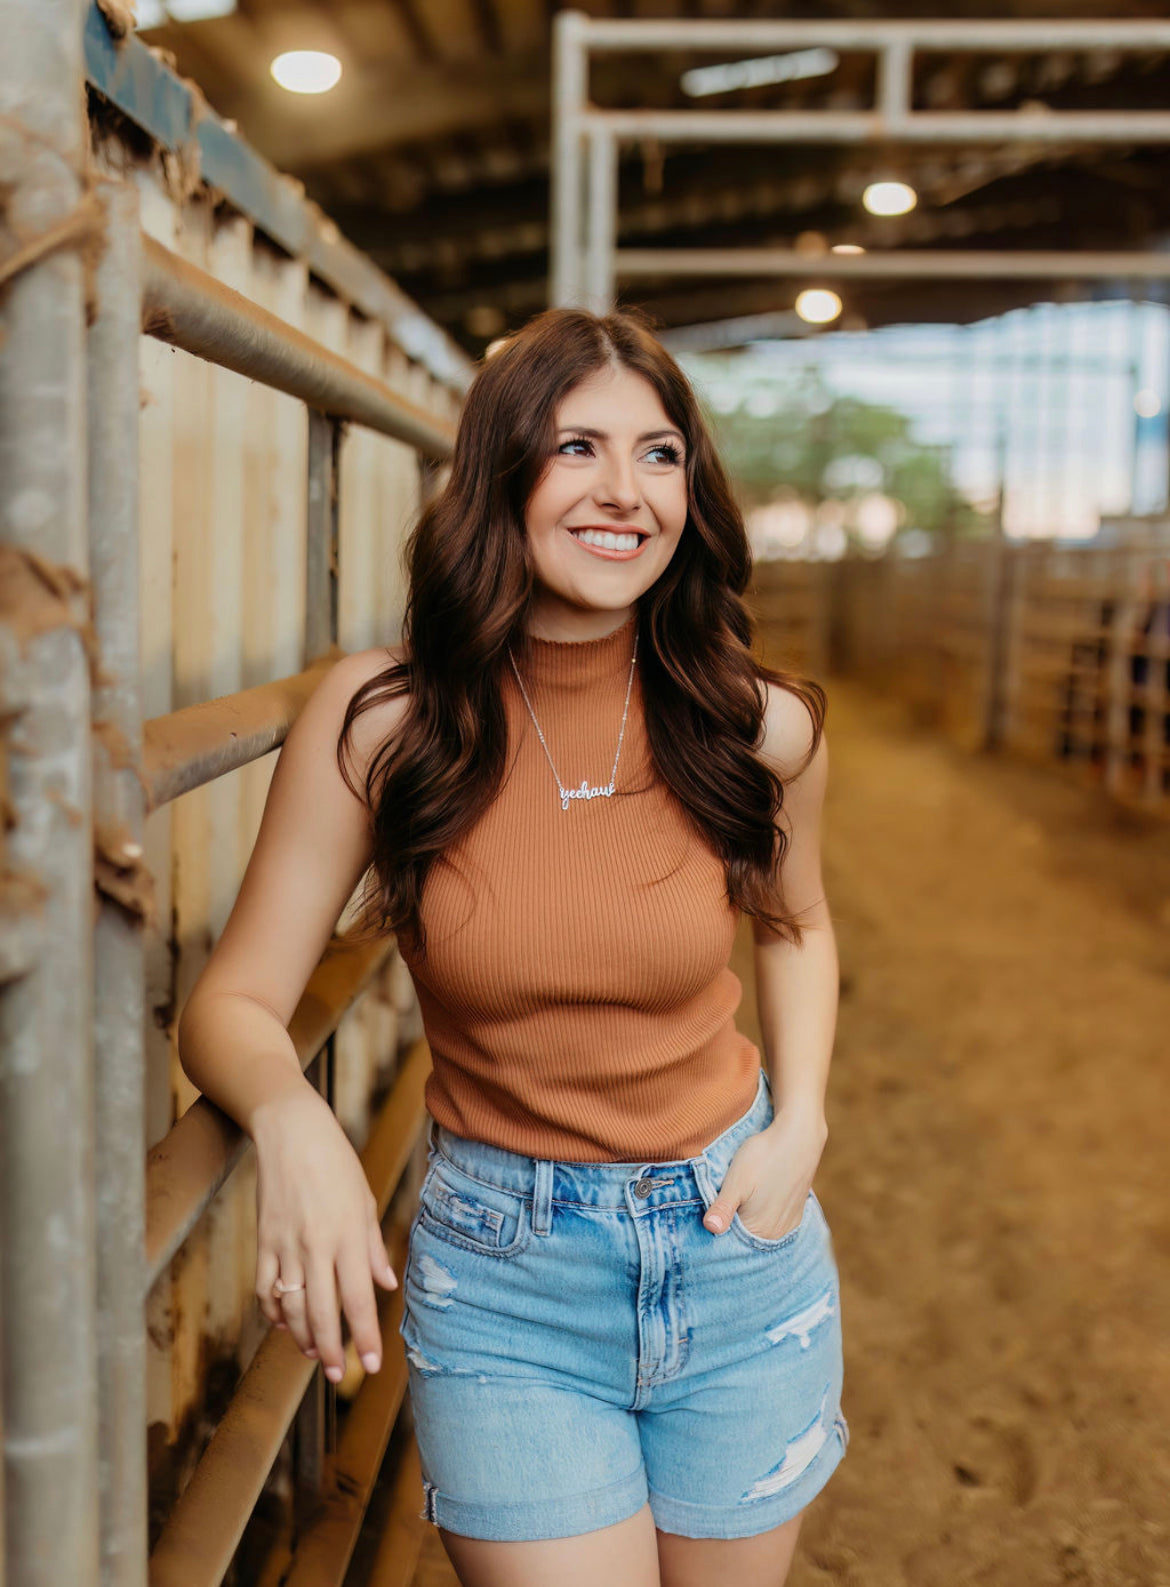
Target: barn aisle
(995, 1171)
(996, 1114)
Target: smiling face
(606, 515)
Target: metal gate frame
(84, 1231)
(586, 261)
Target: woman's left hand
(769, 1178)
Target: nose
(617, 487)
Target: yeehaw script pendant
(585, 791)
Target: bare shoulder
(788, 735)
(377, 723)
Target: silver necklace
(585, 791)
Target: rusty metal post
(321, 574)
(125, 894)
(47, 1224)
(315, 1429)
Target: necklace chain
(585, 791)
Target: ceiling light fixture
(306, 71)
(889, 198)
(847, 247)
(756, 73)
(817, 305)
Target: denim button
(643, 1187)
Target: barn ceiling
(432, 154)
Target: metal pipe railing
(188, 308)
(204, 1529)
(1008, 37)
(867, 126)
(187, 748)
(898, 263)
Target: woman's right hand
(317, 1224)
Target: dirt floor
(997, 1114)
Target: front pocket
(477, 1216)
(759, 1243)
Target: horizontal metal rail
(185, 1170)
(185, 749)
(863, 126)
(188, 308)
(204, 1529)
(919, 263)
(1009, 36)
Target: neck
(578, 666)
(569, 624)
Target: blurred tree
(799, 437)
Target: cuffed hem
(533, 1520)
(751, 1517)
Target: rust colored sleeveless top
(575, 992)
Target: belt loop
(542, 1190)
(703, 1177)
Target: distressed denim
(579, 1342)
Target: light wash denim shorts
(578, 1342)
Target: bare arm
(317, 1218)
(770, 1176)
(797, 988)
(312, 849)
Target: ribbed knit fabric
(575, 992)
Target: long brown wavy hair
(470, 587)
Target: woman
(621, 1308)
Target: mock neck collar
(578, 663)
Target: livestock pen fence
(1057, 653)
(216, 422)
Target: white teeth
(610, 541)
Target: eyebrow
(603, 435)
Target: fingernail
(312, 1352)
(371, 1361)
(715, 1222)
(335, 1373)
